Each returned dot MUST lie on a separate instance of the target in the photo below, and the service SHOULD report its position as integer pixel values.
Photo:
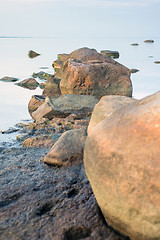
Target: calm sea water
(14, 62)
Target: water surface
(14, 62)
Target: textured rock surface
(105, 107)
(29, 83)
(41, 202)
(81, 105)
(85, 71)
(109, 53)
(52, 87)
(35, 102)
(123, 165)
(95, 77)
(68, 149)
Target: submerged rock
(109, 53)
(29, 83)
(149, 41)
(133, 70)
(33, 54)
(134, 44)
(9, 79)
(157, 62)
(122, 163)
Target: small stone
(149, 41)
(33, 54)
(9, 79)
(29, 83)
(157, 62)
(134, 70)
(134, 44)
(109, 53)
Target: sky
(80, 18)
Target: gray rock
(81, 105)
(9, 79)
(29, 83)
(33, 54)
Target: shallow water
(14, 62)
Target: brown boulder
(95, 78)
(35, 102)
(105, 108)
(52, 87)
(85, 71)
(68, 149)
(122, 163)
(29, 83)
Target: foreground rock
(81, 105)
(29, 83)
(106, 107)
(123, 166)
(68, 149)
(43, 202)
(32, 54)
(109, 53)
(87, 72)
(9, 79)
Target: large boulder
(95, 78)
(68, 149)
(105, 107)
(64, 105)
(85, 71)
(122, 163)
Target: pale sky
(80, 18)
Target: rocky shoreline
(45, 192)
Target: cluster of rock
(120, 146)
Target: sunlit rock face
(122, 163)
